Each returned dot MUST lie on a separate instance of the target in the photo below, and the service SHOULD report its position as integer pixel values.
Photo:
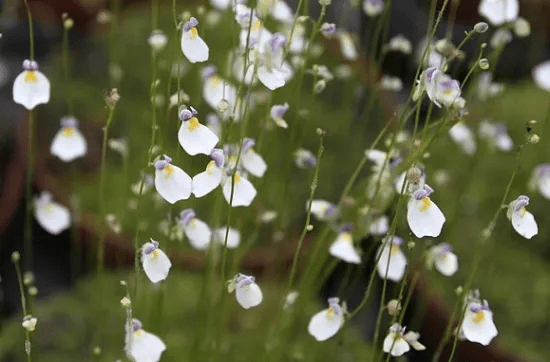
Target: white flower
(541, 75)
(142, 346)
(251, 161)
(395, 268)
(478, 325)
(328, 322)
(400, 44)
(347, 46)
(322, 72)
(389, 83)
(423, 216)
(157, 40)
(281, 11)
(69, 144)
(412, 339)
(194, 137)
(464, 137)
(248, 293)
(394, 343)
(148, 182)
(155, 262)
(192, 45)
(171, 182)
(119, 145)
(379, 226)
(290, 299)
(29, 323)
(498, 12)
(272, 71)
(277, 113)
(53, 217)
(205, 182)
(342, 248)
(31, 87)
(323, 210)
(440, 87)
(197, 231)
(522, 27)
(522, 220)
(328, 29)
(541, 180)
(373, 7)
(304, 158)
(243, 190)
(221, 4)
(496, 134)
(215, 90)
(233, 237)
(500, 38)
(442, 256)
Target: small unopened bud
(68, 23)
(126, 302)
(309, 227)
(302, 19)
(414, 175)
(484, 63)
(201, 10)
(223, 105)
(533, 138)
(28, 278)
(320, 131)
(325, 2)
(481, 27)
(29, 323)
(411, 245)
(15, 257)
(112, 97)
(33, 291)
(393, 307)
(123, 283)
(104, 16)
(522, 27)
(459, 290)
(319, 86)
(97, 350)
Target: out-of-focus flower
(342, 248)
(197, 231)
(347, 46)
(31, 87)
(496, 134)
(541, 75)
(304, 158)
(53, 217)
(464, 137)
(157, 40)
(522, 220)
(323, 210)
(233, 237)
(373, 7)
(29, 323)
(251, 160)
(394, 269)
(400, 44)
(328, 322)
(498, 12)
(540, 180)
(278, 112)
(500, 38)
(69, 144)
(389, 83)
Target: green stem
(23, 307)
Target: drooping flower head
(69, 144)
(478, 325)
(252, 161)
(233, 237)
(277, 113)
(391, 259)
(442, 257)
(248, 293)
(394, 343)
(31, 87)
(194, 137)
(53, 217)
(343, 248)
(206, 181)
(155, 262)
(171, 182)
(197, 231)
(423, 215)
(328, 322)
(304, 158)
(522, 220)
(540, 180)
(192, 45)
(142, 346)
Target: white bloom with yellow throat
(155, 262)
(246, 290)
(478, 325)
(53, 217)
(171, 182)
(192, 45)
(31, 87)
(206, 181)
(243, 190)
(69, 143)
(522, 220)
(391, 259)
(251, 160)
(197, 231)
(441, 256)
(194, 137)
(394, 343)
(423, 216)
(142, 346)
(343, 248)
(327, 322)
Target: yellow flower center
(480, 317)
(330, 313)
(138, 333)
(168, 171)
(347, 237)
(256, 25)
(447, 92)
(215, 80)
(426, 203)
(194, 33)
(68, 131)
(210, 167)
(237, 178)
(48, 208)
(155, 254)
(30, 77)
(522, 211)
(193, 124)
(394, 249)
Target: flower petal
(324, 325)
(205, 182)
(199, 234)
(196, 138)
(193, 47)
(173, 184)
(243, 193)
(53, 217)
(249, 295)
(343, 249)
(524, 223)
(68, 144)
(156, 265)
(424, 217)
(31, 88)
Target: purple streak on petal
(208, 72)
(423, 192)
(244, 280)
(150, 247)
(69, 121)
(136, 325)
(185, 115)
(248, 143)
(520, 202)
(190, 24)
(276, 42)
(279, 110)
(217, 156)
(186, 216)
(334, 304)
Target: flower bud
(126, 302)
(68, 23)
(325, 2)
(33, 291)
(393, 307)
(15, 257)
(533, 138)
(481, 27)
(29, 323)
(112, 97)
(522, 27)
(28, 278)
(319, 86)
(414, 175)
(484, 63)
